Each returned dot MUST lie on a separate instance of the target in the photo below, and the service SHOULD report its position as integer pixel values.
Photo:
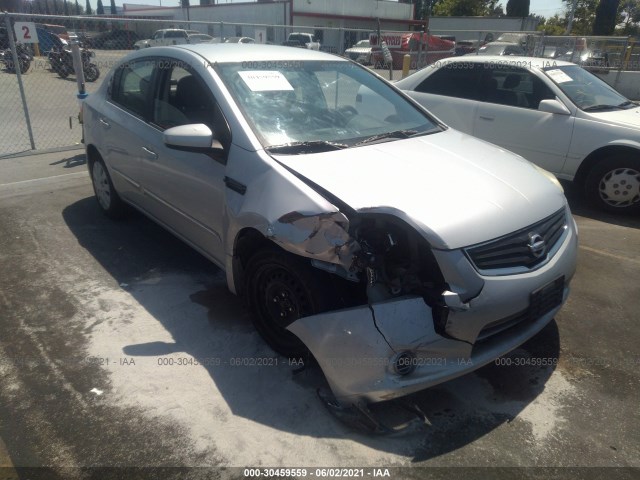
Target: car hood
(625, 118)
(455, 189)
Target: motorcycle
(61, 61)
(24, 58)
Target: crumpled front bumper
(357, 348)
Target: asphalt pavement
(121, 347)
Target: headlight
(550, 176)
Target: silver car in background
(399, 252)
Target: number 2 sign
(25, 32)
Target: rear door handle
(104, 122)
(150, 153)
(488, 119)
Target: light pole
(571, 15)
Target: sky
(545, 8)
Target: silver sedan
(399, 252)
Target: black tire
(613, 184)
(63, 71)
(280, 289)
(24, 65)
(91, 73)
(107, 197)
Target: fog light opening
(405, 363)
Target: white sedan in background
(553, 113)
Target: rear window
(175, 34)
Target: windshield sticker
(559, 76)
(265, 81)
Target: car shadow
(213, 327)
(579, 206)
(71, 162)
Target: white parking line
(612, 255)
(35, 185)
(38, 181)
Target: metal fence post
(16, 66)
(426, 49)
(573, 52)
(620, 64)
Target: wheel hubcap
(620, 187)
(284, 300)
(101, 185)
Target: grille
(526, 248)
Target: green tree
(88, 8)
(630, 13)
(518, 8)
(77, 8)
(555, 25)
(584, 16)
(462, 8)
(66, 8)
(114, 10)
(606, 17)
(100, 9)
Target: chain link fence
(48, 100)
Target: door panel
(458, 113)
(508, 116)
(184, 190)
(451, 93)
(123, 123)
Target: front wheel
(108, 199)
(91, 73)
(280, 289)
(613, 184)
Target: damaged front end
(428, 314)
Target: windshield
(333, 103)
(587, 91)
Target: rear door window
(132, 87)
(457, 79)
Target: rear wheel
(613, 184)
(280, 289)
(107, 197)
(24, 65)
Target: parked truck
(302, 40)
(165, 37)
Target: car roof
(515, 60)
(500, 44)
(232, 52)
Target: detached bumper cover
(357, 348)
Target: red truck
(402, 43)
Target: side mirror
(196, 137)
(553, 106)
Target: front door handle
(488, 119)
(104, 122)
(150, 153)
